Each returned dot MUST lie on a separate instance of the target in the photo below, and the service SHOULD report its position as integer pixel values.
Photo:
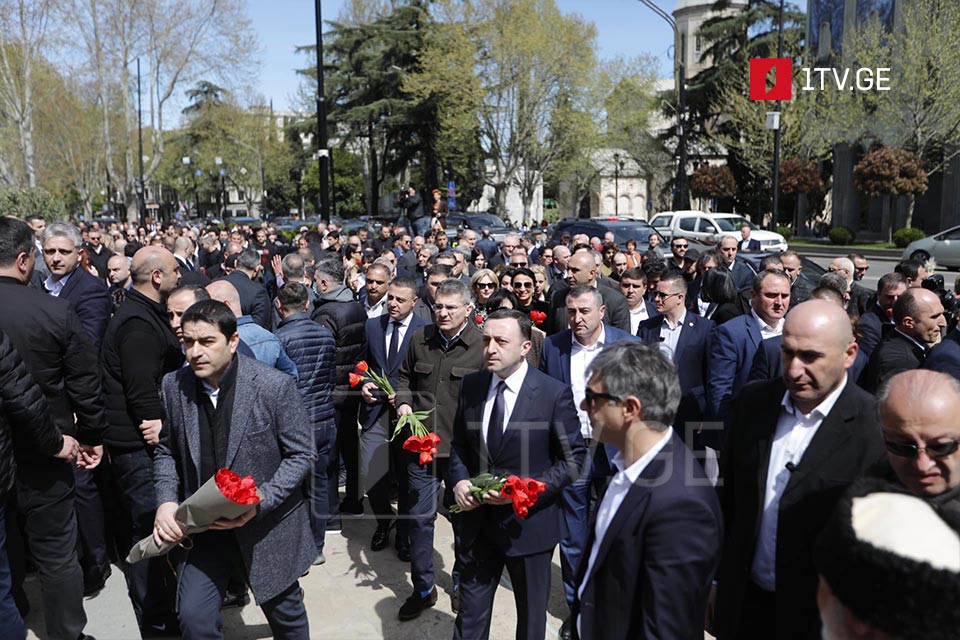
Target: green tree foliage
(348, 187)
(889, 172)
(21, 202)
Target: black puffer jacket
(312, 348)
(338, 311)
(25, 421)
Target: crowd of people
(744, 450)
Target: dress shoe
(353, 507)
(403, 551)
(381, 537)
(96, 583)
(415, 605)
(566, 630)
(320, 559)
(231, 599)
(455, 598)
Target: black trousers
(348, 448)
(45, 500)
(382, 470)
(481, 565)
(90, 525)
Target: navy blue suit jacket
(945, 357)
(690, 360)
(730, 352)
(542, 440)
(653, 570)
(768, 363)
(90, 299)
(375, 354)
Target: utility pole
(323, 153)
(776, 140)
(141, 196)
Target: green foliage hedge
(903, 237)
(841, 235)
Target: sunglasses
(592, 396)
(936, 450)
(486, 285)
(665, 296)
(523, 285)
(680, 246)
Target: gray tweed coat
(270, 439)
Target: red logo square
(782, 88)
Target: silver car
(943, 247)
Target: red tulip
(355, 379)
(362, 366)
(537, 316)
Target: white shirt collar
(823, 409)
(764, 327)
(514, 381)
(634, 470)
(55, 286)
(596, 345)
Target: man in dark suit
(254, 300)
(633, 286)
(565, 356)
(876, 322)
(734, 343)
(214, 411)
(62, 360)
(919, 319)
(945, 357)
(747, 244)
(655, 544)
(438, 358)
(682, 337)
(793, 446)
(97, 253)
(68, 280)
(742, 274)
(388, 337)
(582, 270)
(495, 431)
(800, 286)
(190, 273)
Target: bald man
(793, 446)
(139, 348)
(919, 323)
(582, 270)
(918, 415)
(265, 346)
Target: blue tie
(495, 426)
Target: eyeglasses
(665, 296)
(936, 450)
(486, 285)
(523, 285)
(592, 396)
(680, 246)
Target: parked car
(811, 270)
(476, 222)
(708, 227)
(944, 247)
(624, 228)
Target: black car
(623, 229)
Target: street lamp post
(616, 184)
(683, 201)
(141, 202)
(776, 139)
(323, 153)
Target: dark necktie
(394, 342)
(495, 426)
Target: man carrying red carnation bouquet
(227, 411)
(515, 421)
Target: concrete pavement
(354, 596)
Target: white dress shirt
(580, 359)
(744, 245)
(703, 306)
(670, 335)
(54, 286)
(637, 316)
(376, 310)
(613, 498)
(214, 394)
(794, 433)
(404, 326)
(767, 331)
(510, 395)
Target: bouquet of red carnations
(537, 317)
(224, 496)
(522, 491)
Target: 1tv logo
(782, 88)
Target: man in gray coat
(229, 411)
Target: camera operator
(412, 205)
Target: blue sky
(624, 27)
